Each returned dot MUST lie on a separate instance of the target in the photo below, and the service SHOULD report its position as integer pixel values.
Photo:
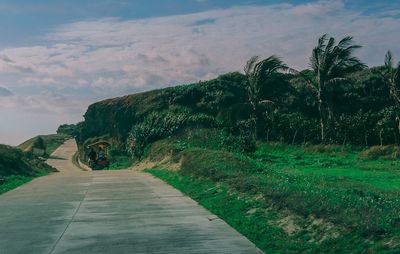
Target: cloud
(319, 8)
(109, 57)
(5, 92)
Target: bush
(389, 152)
(217, 139)
(157, 126)
(69, 129)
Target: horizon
(58, 57)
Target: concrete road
(108, 212)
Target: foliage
(331, 64)
(337, 100)
(72, 130)
(39, 143)
(389, 152)
(259, 75)
(119, 159)
(160, 125)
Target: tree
(258, 73)
(391, 75)
(331, 64)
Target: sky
(58, 57)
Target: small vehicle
(98, 155)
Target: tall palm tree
(258, 73)
(391, 75)
(331, 64)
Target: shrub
(389, 152)
(161, 125)
(217, 139)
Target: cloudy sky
(57, 57)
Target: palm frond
(345, 42)
(389, 59)
(249, 67)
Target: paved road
(108, 212)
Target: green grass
(336, 202)
(341, 166)
(52, 142)
(13, 182)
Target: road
(122, 211)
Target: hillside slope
(18, 167)
(51, 141)
(116, 117)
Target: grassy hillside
(18, 167)
(289, 199)
(51, 141)
(116, 117)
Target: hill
(51, 142)
(18, 167)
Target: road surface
(122, 211)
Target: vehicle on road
(98, 155)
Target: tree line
(332, 74)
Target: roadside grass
(12, 182)
(52, 142)
(289, 199)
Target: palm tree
(331, 64)
(258, 73)
(391, 75)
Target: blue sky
(57, 57)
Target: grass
(13, 182)
(291, 199)
(52, 142)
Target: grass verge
(13, 182)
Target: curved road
(108, 212)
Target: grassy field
(52, 142)
(291, 199)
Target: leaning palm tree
(391, 75)
(258, 73)
(331, 64)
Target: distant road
(108, 212)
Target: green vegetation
(13, 182)
(49, 142)
(318, 199)
(338, 101)
(18, 167)
(298, 161)
(118, 159)
(69, 129)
